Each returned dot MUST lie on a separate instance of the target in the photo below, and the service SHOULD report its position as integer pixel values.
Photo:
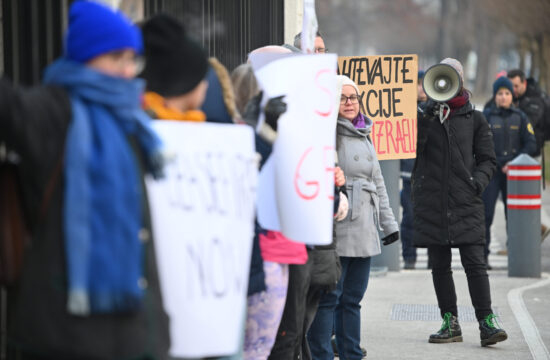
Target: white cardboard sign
(304, 150)
(203, 222)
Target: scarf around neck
(359, 121)
(458, 101)
(103, 196)
(155, 106)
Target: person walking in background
(529, 99)
(356, 236)
(406, 227)
(91, 271)
(455, 161)
(512, 135)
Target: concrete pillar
(523, 225)
(294, 17)
(390, 254)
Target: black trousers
(473, 261)
(302, 300)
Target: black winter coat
(34, 124)
(455, 161)
(533, 105)
(512, 133)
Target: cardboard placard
(388, 89)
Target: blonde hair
(227, 88)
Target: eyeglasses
(321, 50)
(122, 60)
(354, 99)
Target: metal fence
(228, 29)
(32, 30)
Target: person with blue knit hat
(512, 135)
(89, 286)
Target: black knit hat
(174, 63)
(502, 82)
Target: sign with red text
(387, 86)
(203, 220)
(303, 154)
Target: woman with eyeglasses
(356, 236)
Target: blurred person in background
(318, 45)
(536, 105)
(356, 236)
(529, 99)
(85, 144)
(455, 161)
(512, 135)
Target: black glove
(273, 109)
(391, 238)
(251, 111)
(427, 111)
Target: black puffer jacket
(533, 105)
(455, 161)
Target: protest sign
(203, 222)
(304, 150)
(387, 86)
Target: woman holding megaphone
(455, 161)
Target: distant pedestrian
(536, 105)
(455, 161)
(512, 135)
(529, 99)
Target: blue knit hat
(421, 74)
(96, 29)
(502, 82)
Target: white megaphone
(441, 83)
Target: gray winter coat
(369, 207)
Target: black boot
(490, 333)
(450, 330)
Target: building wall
(294, 14)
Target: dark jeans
(409, 251)
(490, 196)
(340, 309)
(475, 267)
(301, 301)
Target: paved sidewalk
(399, 310)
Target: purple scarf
(359, 121)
